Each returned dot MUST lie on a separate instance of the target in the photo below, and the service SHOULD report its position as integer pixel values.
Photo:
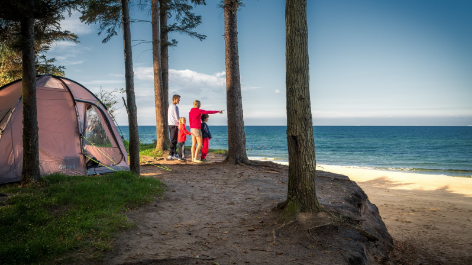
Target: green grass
(145, 149)
(62, 219)
(149, 150)
(218, 151)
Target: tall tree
(164, 56)
(185, 22)
(301, 196)
(30, 170)
(130, 96)
(164, 59)
(159, 99)
(236, 135)
(113, 14)
(12, 14)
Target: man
(173, 120)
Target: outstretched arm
(187, 132)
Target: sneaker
(169, 158)
(182, 159)
(197, 161)
(175, 157)
(204, 160)
(179, 159)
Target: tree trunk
(165, 65)
(301, 145)
(161, 118)
(236, 135)
(30, 170)
(129, 75)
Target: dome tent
(76, 134)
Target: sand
(430, 212)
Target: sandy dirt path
(222, 213)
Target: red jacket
(182, 133)
(195, 117)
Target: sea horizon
(438, 150)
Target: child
(206, 135)
(182, 137)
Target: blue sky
(372, 62)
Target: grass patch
(218, 151)
(149, 150)
(145, 149)
(62, 218)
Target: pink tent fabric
(76, 134)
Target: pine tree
(159, 99)
(130, 96)
(301, 195)
(236, 135)
(185, 23)
(113, 14)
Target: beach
(432, 213)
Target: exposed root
(247, 164)
(281, 205)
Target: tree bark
(165, 65)
(301, 145)
(236, 135)
(131, 99)
(161, 118)
(30, 169)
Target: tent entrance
(99, 146)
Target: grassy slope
(62, 218)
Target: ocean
(419, 149)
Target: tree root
(281, 205)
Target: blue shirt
(205, 131)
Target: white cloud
(67, 53)
(74, 25)
(144, 73)
(187, 81)
(191, 81)
(277, 91)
